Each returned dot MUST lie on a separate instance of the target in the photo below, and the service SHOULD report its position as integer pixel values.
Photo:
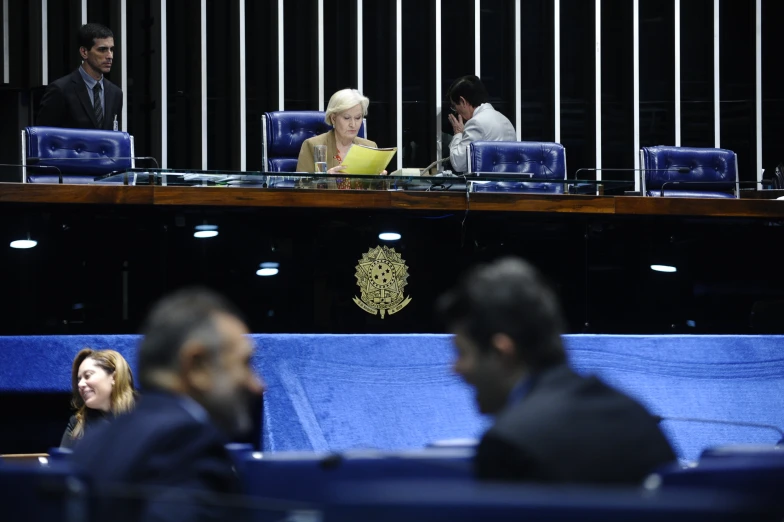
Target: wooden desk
(390, 200)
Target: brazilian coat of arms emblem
(381, 276)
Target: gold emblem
(381, 275)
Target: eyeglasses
(452, 108)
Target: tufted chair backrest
(541, 160)
(283, 133)
(689, 172)
(79, 155)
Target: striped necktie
(97, 105)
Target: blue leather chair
(77, 155)
(283, 133)
(539, 160)
(689, 172)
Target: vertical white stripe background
(6, 43)
(164, 89)
(557, 69)
(360, 49)
(203, 62)
(124, 63)
(518, 72)
(44, 43)
(243, 101)
(320, 24)
(636, 87)
(281, 82)
(477, 34)
(399, 81)
(439, 96)
(716, 77)
(677, 73)
(84, 12)
(598, 74)
(758, 84)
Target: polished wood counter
(390, 200)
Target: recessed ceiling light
(23, 243)
(265, 272)
(389, 236)
(664, 268)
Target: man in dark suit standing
(85, 99)
(551, 425)
(166, 460)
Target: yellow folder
(366, 160)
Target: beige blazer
(305, 162)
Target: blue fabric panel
(739, 378)
(337, 392)
(42, 363)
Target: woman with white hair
(345, 112)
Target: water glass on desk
(320, 158)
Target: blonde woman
(102, 385)
(345, 111)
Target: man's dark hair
(508, 296)
(469, 87)
(175, 319)
(88, 33)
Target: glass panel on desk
(482, 182)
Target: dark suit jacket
(161, 463)
(572, 429)
(66, 103)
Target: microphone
(743, 424)
(436, 162)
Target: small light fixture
(389, 236)
(664, 268)
(205, 231)
(269, 264)
(24, 243)
(266, 272)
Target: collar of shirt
(483, 107)
(89, 80)
(195, 409)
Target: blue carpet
(336, 392)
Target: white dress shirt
(487, 124)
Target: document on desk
(367, 160)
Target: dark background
(20, 97)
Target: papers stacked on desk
(367, 160)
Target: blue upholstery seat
(751, 476)
(689, 172)
(306, 477)
(283, 133)
(52, 493)
(459, 501)
(540, 160)
(78, 155)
